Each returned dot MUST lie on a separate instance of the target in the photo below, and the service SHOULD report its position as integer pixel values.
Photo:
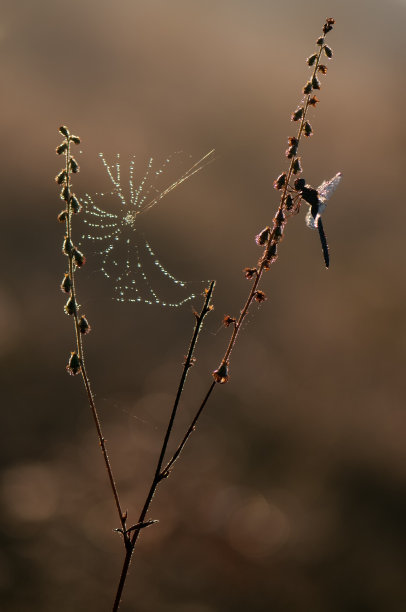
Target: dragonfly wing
(328, 187)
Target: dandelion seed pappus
(112, 223)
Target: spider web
(112, 224)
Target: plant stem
(159, 473)
(80, 352)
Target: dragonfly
(317, 200)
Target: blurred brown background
(291, 494)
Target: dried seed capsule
(315, 83)
(288, 202)
(64, 131)
(66, 284)
(65, 193)
(73, 164)
(63, 215)
(328, 51)
(78, 258)
(84, 326)
(260, 296)
(61, 148)
(307, 88)
(221, 374)
(73, 366)
(263, 236)
(311, 59)
(313, 101)
(71, 306)
(296, 167)
(322, 68)
(250, 272)
(298, 114)
(307, 129)
(60, 178)
(280, 218)
(67, 246)
(280, 181)
(75, 139)
(320, 41)
(75, 205)
(228, 320)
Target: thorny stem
(80, 351)
(160, 473)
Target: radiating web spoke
(127, 258)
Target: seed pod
(221, 374)
(64, 131)
(328, 51)
(75, 139)
(263, 236)
(75, 205)
(71, 306)
(78, 258)
(74, 166)
(307, 88)
(298, 114)
(280, 181)
(84, 326)
(74, 365)
(66, 284)
(60, 178)
(260, 296)
(61, 148)
(311, 59)
(67, 246)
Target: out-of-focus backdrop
(291, 494)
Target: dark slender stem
(80, 352)
(159, 474)
(165, 471)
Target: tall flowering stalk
(76, 260)
(290, 200)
